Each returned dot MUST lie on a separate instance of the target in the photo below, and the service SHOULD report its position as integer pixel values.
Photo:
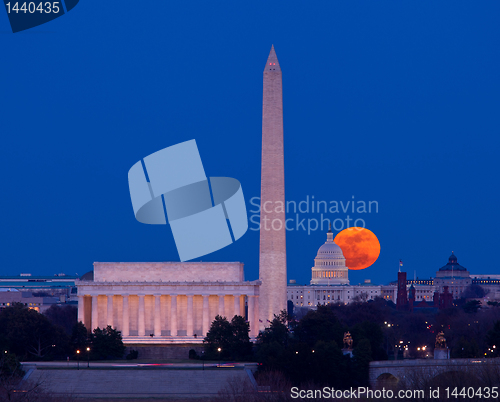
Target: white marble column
(95, 313)
(141, 317)
(126, 319)
(110, 310)
(251, 314)
(173, 315)
(206, 318)
(157, 316)
(221, 306)
(81, 309)
(190, 316)
(256, 316)
(237, 309)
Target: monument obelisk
(272, 260)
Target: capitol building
(330, 282)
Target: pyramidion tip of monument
(272, 61)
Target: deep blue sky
(392, 101)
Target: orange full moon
(360, 247)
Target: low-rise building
(330, 284)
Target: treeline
(309, 349)
(469, 329)
(55, 335)
(305, 349)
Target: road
(83, 364)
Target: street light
(219, 350)
(78, 359)
(203, 359)
(88, 357)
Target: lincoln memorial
(166, 302)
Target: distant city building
(454, 276)
(454, 279)
(330, 284)
(9, 296)
(57, 285)
(402, 299)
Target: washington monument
(272, 260)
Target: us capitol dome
(329, 264)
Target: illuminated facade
(329, 264)
(166, 302)
(9, 296)
(330, 284)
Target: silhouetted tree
(232, 337)
(106, 344)
(64, 316)
(474, 291)
(362, 358)
(10, 366)
(277, 331)
(465, 349)
(373, 332)
(329, 367)
(218, 336)
(493, 339)
(472, 306)
(11, 374)
(79, 337)
(30, 335)
(377, 311)
(240, 345)
(270, 355)
(319, 325)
